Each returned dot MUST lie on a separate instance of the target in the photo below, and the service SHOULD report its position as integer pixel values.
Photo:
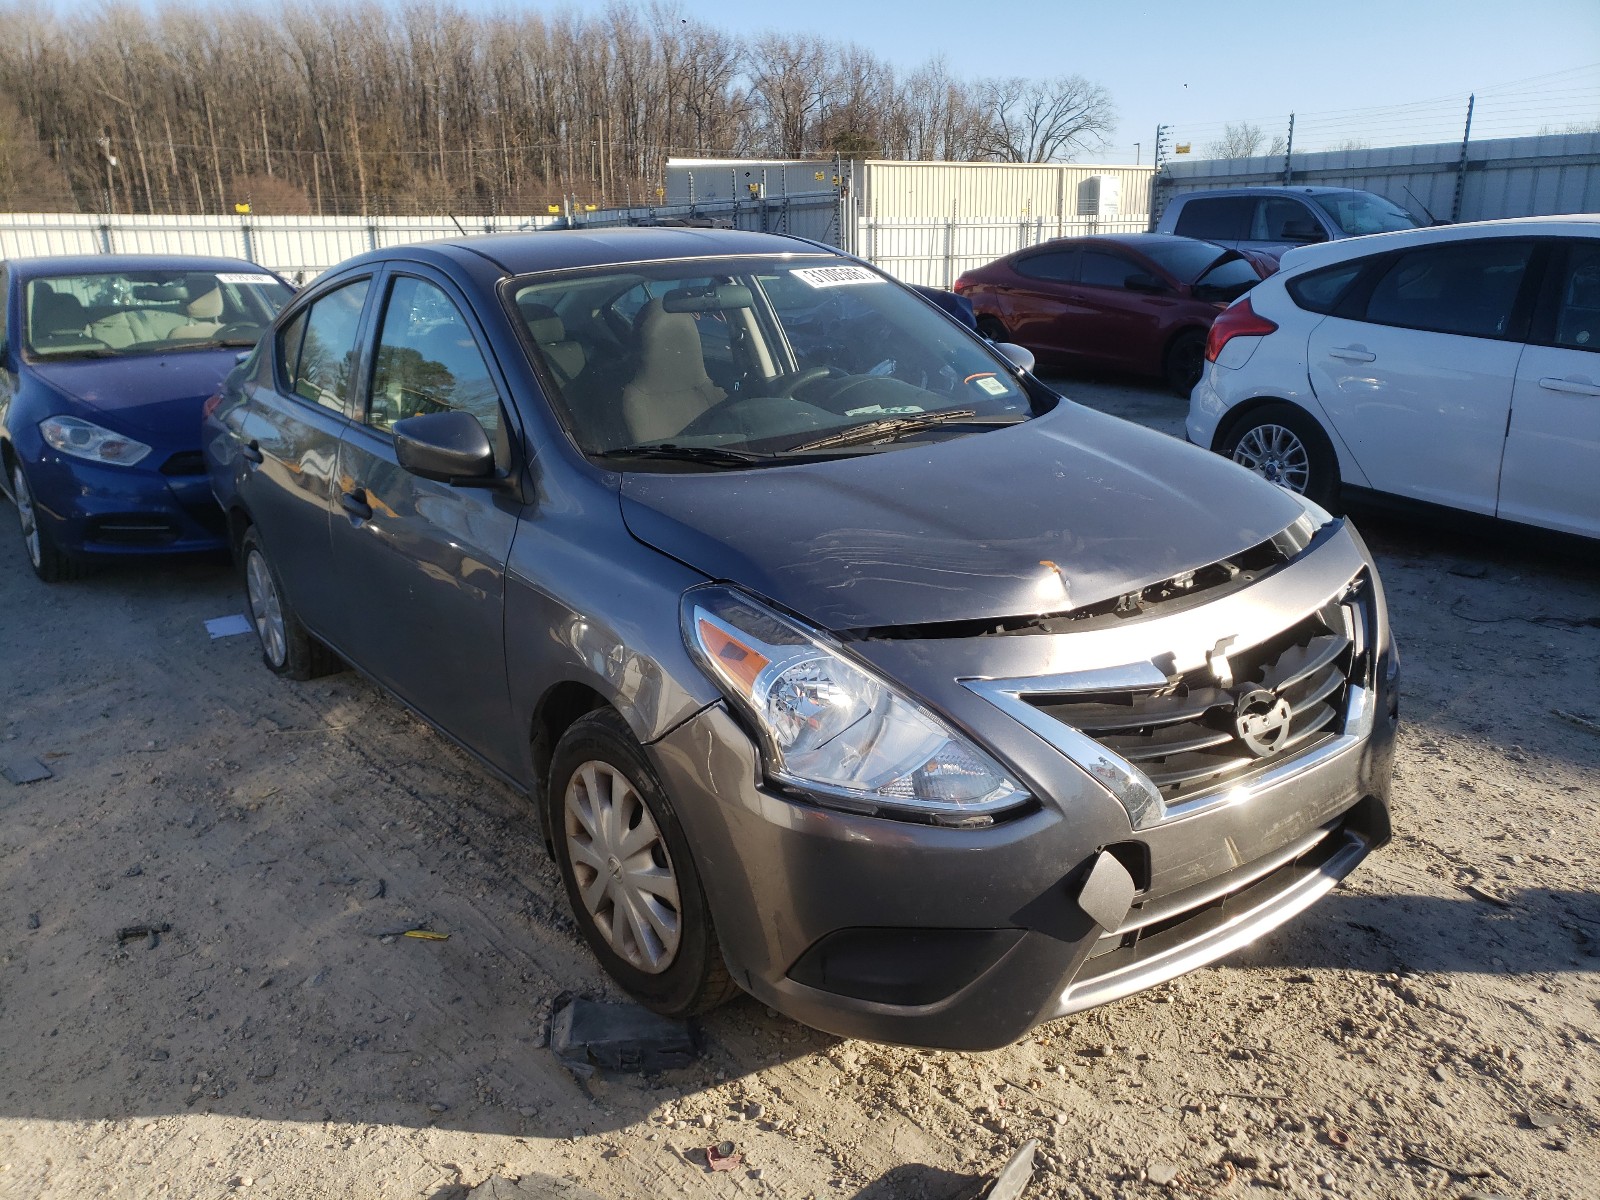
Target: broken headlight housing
(832, 728)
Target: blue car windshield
(117, 313)
(767, 356)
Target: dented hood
(1068, 509)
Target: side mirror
(1021, 356)
(1143, 281)
(1303, 231)
(448, 446)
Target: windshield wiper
(719, 456)
(891, 429)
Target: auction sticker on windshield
(825, 277)
(246, 279)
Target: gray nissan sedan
(844, 662)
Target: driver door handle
(1575, 384)
(355, 503)
(1352, 353)
(251, 451)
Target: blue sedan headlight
(85, 439)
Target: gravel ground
(1429, 1029)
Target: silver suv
(1273, 219)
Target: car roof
(1343, 249)
(1269, 190)
(568, 249)
(106, 264)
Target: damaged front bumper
(1123, 875)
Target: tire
(993, 329)
(610, 822)
(1184, 362)
(49, 562)
(1286, 446)
(286, 646)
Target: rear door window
(1217, 218)
(1056, 266)
(317, 350)
(1467, 288)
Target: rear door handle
(251, 451)
(355, 503)
(1575, 384)
(1352, 353)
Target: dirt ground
(1430, 1028)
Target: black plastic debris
(130, 933)
(620, 1037)
(26, 770)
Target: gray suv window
(1462, 287)
(1217, 218)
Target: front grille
(1185, 735)
(185, 462)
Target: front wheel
(629, 875)
(49, 562)
(1285, 446)
(993, 329)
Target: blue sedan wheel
(46, 559)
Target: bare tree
(1244, 140)
(1043, 120)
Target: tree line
(428, 108)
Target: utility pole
(1461, 166)
(1288, 150)
(1136, 154)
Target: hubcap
(265, 609)
(622, 867)
(25, 514)
(1277, 455)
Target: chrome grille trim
(1175, 643)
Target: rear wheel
(49, 562)
(629, 875)
(1285, 446)
(287, 647)
(1184, 362)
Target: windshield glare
(144, 312)
(765, 356)
(1359, 213)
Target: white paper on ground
(221, 627)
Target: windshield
(144, 312)
(1359, 213)
(742, 361)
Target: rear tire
(1185, 361)
(630, 877)
(287, 647)
(1285, 445)
(49, 562)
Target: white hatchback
(1454, 367)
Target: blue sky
(1388, 73)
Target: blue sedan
(105, 364)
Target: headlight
(85, 439)
(832, 728)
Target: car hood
(158, 395)
(1069, 509)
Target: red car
(1139, 302)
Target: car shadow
(1489, 930)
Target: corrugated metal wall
(1503, 177)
